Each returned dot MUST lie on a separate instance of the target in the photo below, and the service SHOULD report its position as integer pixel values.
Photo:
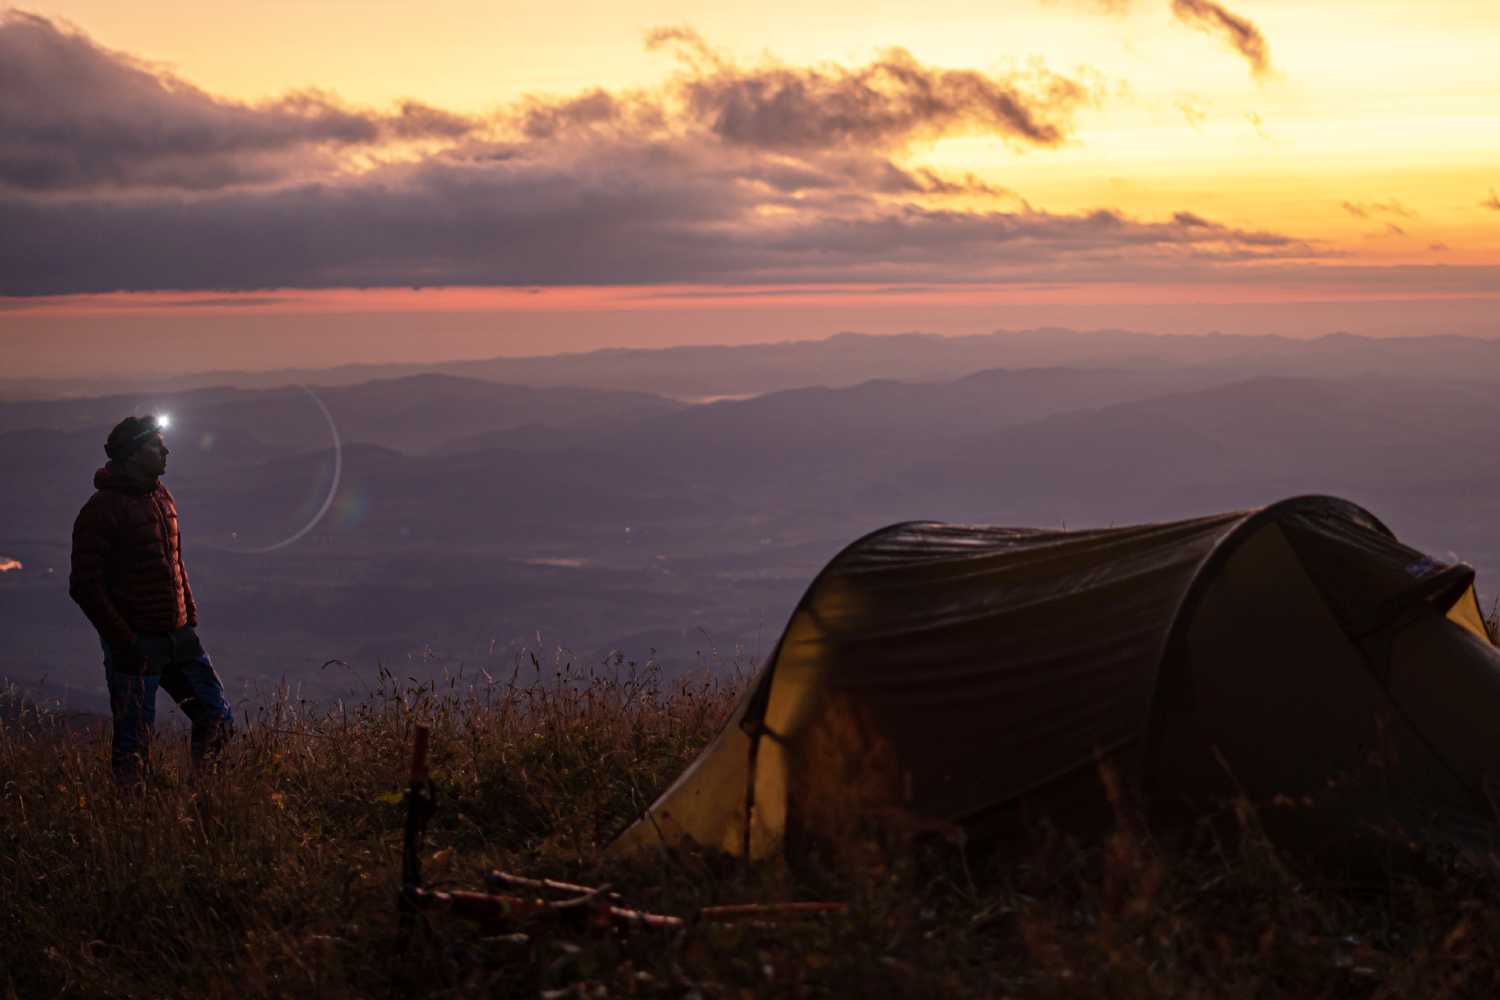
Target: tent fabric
(938, 675)
(1279, 698)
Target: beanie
(128, 435)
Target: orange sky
(1178, 165)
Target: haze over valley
(578, 508)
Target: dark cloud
(1372, 209)
(1006, 241)
(1492, 202)
(596, 111)
(886, 104)
(74, 116)
(609, 215)
(1205, 15)
(802, 178)
(930, 182)
(415, 120)
(121, 177)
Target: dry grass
(278, 875)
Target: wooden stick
(659, 920)
(509, 878)
(419, 756)
(587, 899)
(495, 908)
(420, 806)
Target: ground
(278, 874)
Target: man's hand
(129, 659)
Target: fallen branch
(730, 913)
(497, 908)
(506, 909)
(496, 876)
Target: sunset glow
(289, 160)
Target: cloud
(1371, 209)
(831, 173)
(612, 214)
(886, 104)
(74, 115)
(1492, 202)
(1389, 280)
(1245, 37)
(930, 182)
(126, 178)
(538, 118)
(7, 564)
(1192, 110)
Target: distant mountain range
(473, 519)
(696, 373)
(413, 412)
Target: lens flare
(163, 420)
(333, 487)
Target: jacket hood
(113, 477)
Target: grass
(277, 875)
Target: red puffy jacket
(128, 575)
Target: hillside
(278, 876)
(410, 413)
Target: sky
(282, 184)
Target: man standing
(129, 579)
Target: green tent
(964, 676)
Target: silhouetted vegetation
(278, 874)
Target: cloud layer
(884, 105)
(115, 175)
(1238, 32)
(1374, 209)
(75, 116)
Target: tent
(961, 676)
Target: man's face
(150, 459)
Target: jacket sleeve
(187, 592)
(93, 546)
(190, 606)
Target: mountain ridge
(695, 371)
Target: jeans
(179, 666)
